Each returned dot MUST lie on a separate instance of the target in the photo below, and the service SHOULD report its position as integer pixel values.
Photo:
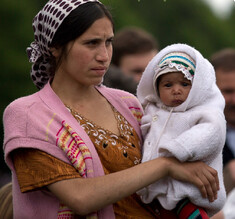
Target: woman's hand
(197, 173)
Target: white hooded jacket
(192, 131)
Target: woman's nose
(103, 54)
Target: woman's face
(88, 57)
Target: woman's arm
(91, 194)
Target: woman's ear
(55, 52)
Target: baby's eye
(167, 85)
(185, 84)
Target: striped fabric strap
(80, 157)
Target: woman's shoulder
(118, 94)
(22, 104)
(16, 117)
(114, 90)
(122, 100)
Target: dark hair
(132, 40)
(224, 60)
(76, 23)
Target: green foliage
(16, 25)
(169, 21)
(173, 21)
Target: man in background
(133, 48)
(224, 64)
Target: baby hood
(204, 91)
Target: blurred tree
(176, 21)
(16, 25)
(232, 21)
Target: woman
(73, 147)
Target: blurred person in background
(133, 48)
(6, 205)
(115, 78)
(224, 64)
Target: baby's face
(173, 88)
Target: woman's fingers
(208, 182)
(215, 174)
(211, 183)
(208, 186)
(201, 175)
(198, 182)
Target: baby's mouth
(177, 102)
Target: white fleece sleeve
(145, 124)
(202, 141)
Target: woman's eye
(92, 42)
(109, 42)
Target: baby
(183, 119)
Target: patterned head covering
(178, 61)
(45, 25)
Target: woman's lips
(100, 70)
